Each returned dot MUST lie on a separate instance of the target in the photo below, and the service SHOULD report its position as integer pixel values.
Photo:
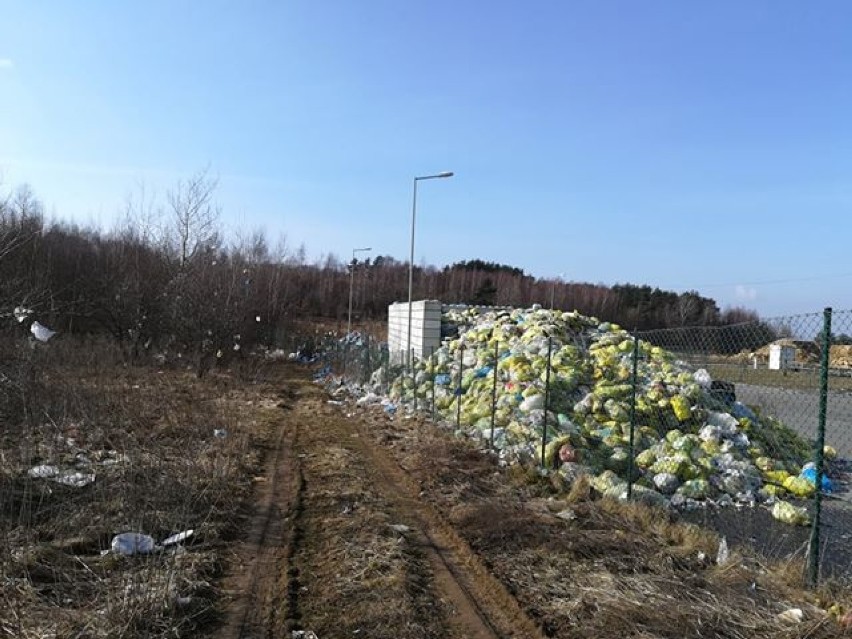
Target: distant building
(781, 357)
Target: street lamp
(444, 174)
(351, 285)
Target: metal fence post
(413, 379)
(459, 386)
(367, 372)
(546, 401)
(494, 393)
(630, 450)
(432, 403)
(387, 359)
(813, 550)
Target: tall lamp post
(444, 174)
(351, 285)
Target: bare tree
(193, 215)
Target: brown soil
(342, 544)
(367, 526)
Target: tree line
(165, 277)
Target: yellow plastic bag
(790, 514)
(681, 407)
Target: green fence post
(432, 366)
(546, 401)
(413, 380)
(367, 372)
(813, 550)
(459, 387)
(494, 393)
(630, 449)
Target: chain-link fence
(787, 381)
(712, 418)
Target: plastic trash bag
(533, 402)
(132, 543)
(722, 555)
(809, 475)
(666, 483)
(703, 379)
(75, 479)
(43, 471)
(790, 514)
(41, 332)
(800, 486)
(21, 314)
(740, 410)
(695, 489)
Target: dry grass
(605, 568)
(360, 576)
(147, 437)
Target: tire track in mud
(476, 605)
(262, 590)
(286, 575)
(484, 607)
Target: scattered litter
(335, 402)
(400, 528)
(703, 379)
(722, 555)
(41, 332)
(66, 477)
(43, 472)
(809, 474)
(792, 615)
(369, 398)
(567, 514)
(220, 433)
(132, 543)
(75, 479)
(178, 538)
(303, 634)
(790, 514)
(21, 313)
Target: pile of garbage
(692, 446)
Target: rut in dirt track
(346, 546)
(259, 590)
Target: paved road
(799, 409)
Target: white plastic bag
(132, 543)
(42, 333)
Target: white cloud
(745, 292)
(6, 63)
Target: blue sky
(679, 144)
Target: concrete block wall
(425, 329)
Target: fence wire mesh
(726, 422)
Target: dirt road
(342, 544)
(366, 526)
